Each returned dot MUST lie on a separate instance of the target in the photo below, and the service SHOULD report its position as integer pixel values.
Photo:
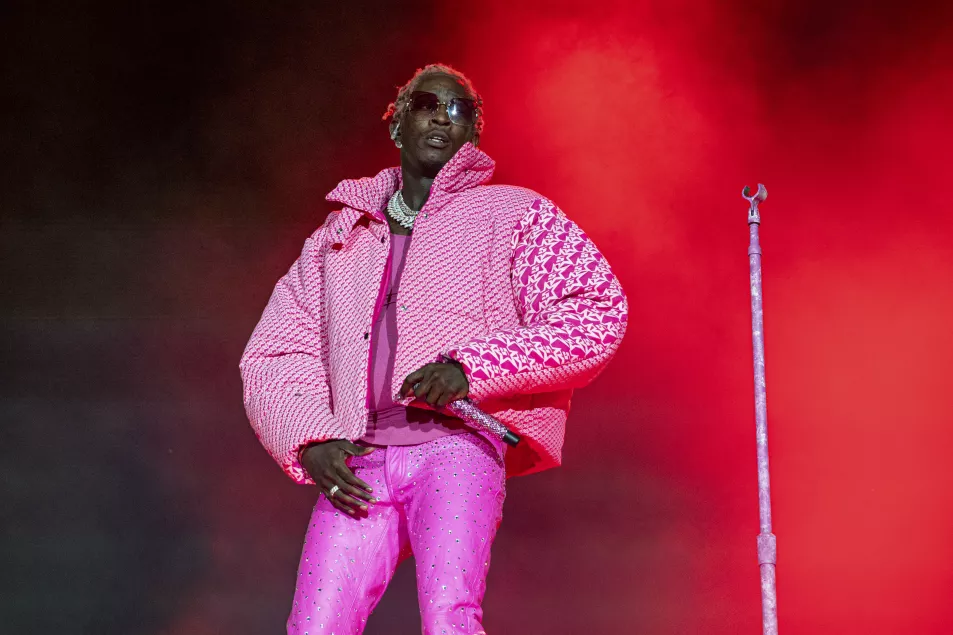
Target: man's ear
(395, 133)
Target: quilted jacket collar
(468, 168)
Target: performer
(427, 286)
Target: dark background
(162, 165)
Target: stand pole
(767, 544)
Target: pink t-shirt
(390, 423)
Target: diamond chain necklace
(400, 211)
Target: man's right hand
(325, 462)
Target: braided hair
(396, 109)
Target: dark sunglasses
(460, 110)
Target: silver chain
(400, 211)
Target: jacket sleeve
(573, 313)
(286, 388)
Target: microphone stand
(767, 543)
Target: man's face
(430, 139)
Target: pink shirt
(390, 423)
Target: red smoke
(643, 121)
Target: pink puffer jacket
(496, 277)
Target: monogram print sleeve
(573, 313)
(284, 371)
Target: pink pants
(441, 501)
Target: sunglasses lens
(461, 111)
(424, 102)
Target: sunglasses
(460, 110)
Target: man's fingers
(356, 450)
(336, 500)
(436, 392)
(433, 384)
(420, 389)
(340, 506)
(448, 397)
(423, 388)
(410, 380)
(348, 501)
(341, 499)
(353, 485)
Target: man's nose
(441, 115)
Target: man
(426, 287)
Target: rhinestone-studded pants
(441, 501)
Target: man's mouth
(437, 140)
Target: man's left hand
(437, 384)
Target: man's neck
(416, 189)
